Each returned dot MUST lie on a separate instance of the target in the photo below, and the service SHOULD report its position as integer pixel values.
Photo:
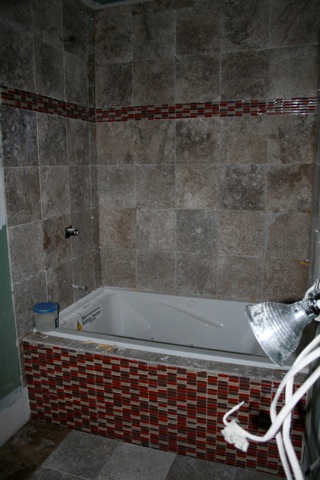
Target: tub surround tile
(198, 30)
(197, 186)
(117, 227)
(57, 249)
(240, 146)
(83, 274)
(19, 138)
(54, 194)
(74, 17)
(288, 188)
(244, 25)
(153, 81)
(285, 238)
(153, 36)
(116, 186)
(292, 67)
(197, 231)
(156, 230)
(157, 403)
(48, 72)
(22, 189)
(79, 188)
(78, 142)
(52, 140)
(109, 150)
(47, 20)
(82, 243)
(198, 141)
(254, 84)
(154, 142)
(284, 279)
(27, 255)
(302, 22)
(59, 280)
(76, 79)
(291, 140)
(197, 76)
(196, 274)
(113, 39)
(16, 49)
(240, 277)
(242, 187)
(118, 267)
(155, 186)
(163, 264)
(241, 233)
(114, 85)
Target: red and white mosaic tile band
(162, 406)
(232, 108)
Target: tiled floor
(46, 452)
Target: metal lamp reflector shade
(278, 327)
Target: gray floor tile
(189, 468)
(133, 462)
(251, 474)
(81, 454)
(48, 474)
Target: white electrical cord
(236, 435)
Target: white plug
(236, 435)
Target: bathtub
(183, 326)
(157, 371)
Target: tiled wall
(193, 202)
(49, 160)
(163, 405)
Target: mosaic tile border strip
(24, 100)
(234, 108)
(161, 406)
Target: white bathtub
(214, 330)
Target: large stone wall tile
(197, 186)
(197, 78)
(242, 187)
(78, 142)
(245, 75)
(153, 82)
(197, 231)
(117, 227)
(26, 250)
(153, 36)
(240, 277)
(54, 194)
(291, 139)
(287, 236)
(59, 281)
(154, 142)
(284, 280)
(161, 262)
(83, 274)
(82, 243)
(17, 13)
(79, 188)
(196, 274)
(244, 24)
(241, 232)
(118, 267)
(75, 25)
(155, 186)
(156, 230)
(289, 188)
(113, 39)
(76, 75)
(57, 249)
(52, 140)
(48, 70)
(198, 141)
(111, 151)
(294, 22)
(116, 186)
(114, 85)
(47, 20)
(22, 189)
(293, 72)
(198, 30)
(19, 137)
(244, 140)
